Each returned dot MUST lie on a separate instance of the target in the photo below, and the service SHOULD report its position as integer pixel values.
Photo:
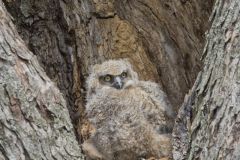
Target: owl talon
(91, 150)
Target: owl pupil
(124, 74)
(107, 78)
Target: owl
(132, 119)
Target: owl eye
(107, 78)
(124, 75)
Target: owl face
(116, 81)
(117, 74)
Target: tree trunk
(208, 124)
(34, 121)
(162, 39)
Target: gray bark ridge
(208, 124)
(34, 120)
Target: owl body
(131, 122)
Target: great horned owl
(132, 119)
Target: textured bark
(163, 40)
(208, 124)
(34, 121)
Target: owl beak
(118, 84)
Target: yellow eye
(124, 75)
(107, 78)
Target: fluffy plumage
(131, 122)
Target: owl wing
(155, 92)
(157, 108)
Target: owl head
(114, 74)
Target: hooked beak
(118, 84)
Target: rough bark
(208, 123)
(47, 29)
(34, 121)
